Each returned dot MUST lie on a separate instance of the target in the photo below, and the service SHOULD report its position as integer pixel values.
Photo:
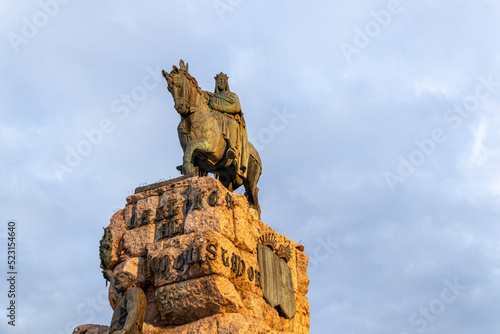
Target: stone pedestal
(206, 262)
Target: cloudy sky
(377, 123)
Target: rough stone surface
(227, 323)
(197, 298)
(195, 256)
(134, 241)
(91, 329)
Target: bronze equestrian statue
(212, 133)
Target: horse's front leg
(199, 144)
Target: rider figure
(233, 124)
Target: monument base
(206, 263)
(228, 323)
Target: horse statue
(203, 140)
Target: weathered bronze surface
(212, 133)
(128, 317)
(276, 281)
(105, 248)
(233, 124)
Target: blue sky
(376, 121)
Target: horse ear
(165, 74)
(183, 66)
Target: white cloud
(479, 154)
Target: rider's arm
(231, 107)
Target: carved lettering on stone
(212, 249)
(251, 273)
(225, 259)
(189, 256)
(234, 262)
(159, 214)
(133, 220)
(198, 202)
(172, 210)
(241, 268)
(169, 229)
(229, 201)
(159, 265)
(213, 198)
(144, 218)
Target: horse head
(184, 89)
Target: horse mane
(193, 81)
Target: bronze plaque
(276, 281)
